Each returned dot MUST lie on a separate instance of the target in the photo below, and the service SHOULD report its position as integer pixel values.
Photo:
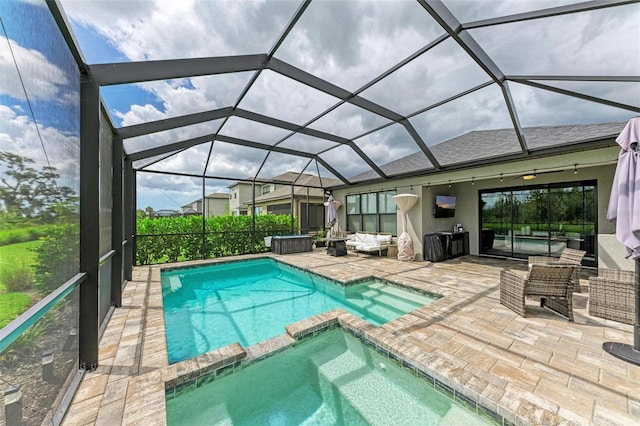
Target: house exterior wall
(596, 164)
(297, 205)
(195, 206)
(216, 206)
(239, 195)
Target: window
(279, 208)
(539, 220)
(266, 189)
(374, 212)
(257, 210)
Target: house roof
(283, 190)
(220, 195)
(216, 195)
(499, 143)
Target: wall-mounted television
(445, 206)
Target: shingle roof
(495, 143)
(219, 195)
(307, 180)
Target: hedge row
(503, 228)
(169, 239)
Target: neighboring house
(240, 195)
(164, 213)
(276, 198)
(216, 204)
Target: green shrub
(17, 278)
(169, 239)
(58, 257)
(20, 235)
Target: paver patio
(536, 370)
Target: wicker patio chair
(567, 257)
(551, 283)
(612, 296)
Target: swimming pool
(330, 379)
(251, 301)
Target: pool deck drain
(536, 370)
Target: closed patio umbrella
(624, 211)
(332, 216)
(405, 244)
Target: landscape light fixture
(47, 366)
(13, 405)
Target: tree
(27, 192)
(147, 212)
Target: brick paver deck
(536, 370)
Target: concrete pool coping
(539, 369)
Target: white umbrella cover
(624, 211)
(405, 244)
(624, 204)
(332, 217)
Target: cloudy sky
(349, 44)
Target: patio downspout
(292, 209)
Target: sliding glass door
(539, 220)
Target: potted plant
(320, 238)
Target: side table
(336, 247)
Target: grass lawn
(13, 304)
(17, 254)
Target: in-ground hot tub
(284, 244)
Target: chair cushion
(365, 238)
(383, 239)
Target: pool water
(250, 301)
(331, 379)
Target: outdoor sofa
(369, 242)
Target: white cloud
(349, 43)
(145, 30)
(165, 191)
(599, 42)
(42, 79)
(18, 134)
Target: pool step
(390, 301)
(369, 394)
(386, 301)
(402, 293)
